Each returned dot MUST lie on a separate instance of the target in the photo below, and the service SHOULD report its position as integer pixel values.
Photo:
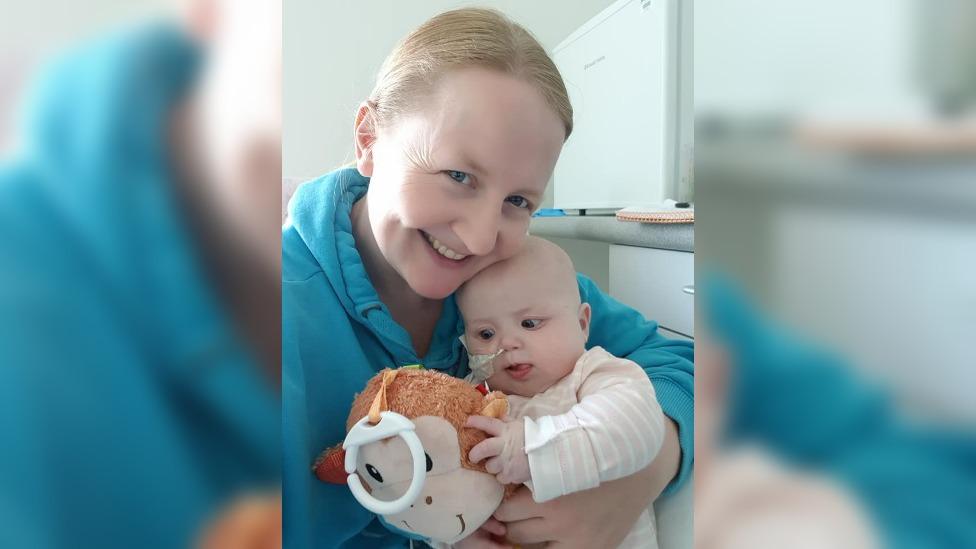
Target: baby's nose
(510, 343)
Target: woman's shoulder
(297, 262)
(325, 193)
(318, 215)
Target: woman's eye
(460, 177)
(518, 201)
(373, 472)
(486, 334)
(531, 323)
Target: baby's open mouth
(442, 249)
(520, 370)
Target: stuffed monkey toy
(457, 496)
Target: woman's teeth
(444, 250)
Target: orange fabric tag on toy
(331, 466)
(379, 403)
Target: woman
(454, 148)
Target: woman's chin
(433, 289)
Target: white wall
(45, 25)
(830, 59)
(332, 51)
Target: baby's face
(540, 326)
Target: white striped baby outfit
(599, 423)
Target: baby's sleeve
(615, 430)
(669, 363)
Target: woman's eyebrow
(468, 161)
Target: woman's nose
(479, 227)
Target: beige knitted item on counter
(679, 216)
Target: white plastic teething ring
(391, 424)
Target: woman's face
(453, 184)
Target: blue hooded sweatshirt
(130, 411)
(336, 334)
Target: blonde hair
(468, 37)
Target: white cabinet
(658, 283)
(622, 73)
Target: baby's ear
(584, 320)
(331, 465)
(494, 404)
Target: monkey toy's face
(442, 511)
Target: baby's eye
(531, 323)
(486, 334)
(518, 201)
(460, 177)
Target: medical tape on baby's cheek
(483, 363)
(482, 366)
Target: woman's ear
(365, 138)
(584, 320)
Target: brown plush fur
(416, 392)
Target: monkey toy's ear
(494, 404)
(331, 465)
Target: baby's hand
(505, 448)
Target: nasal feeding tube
(482, 367)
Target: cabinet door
(658, 283)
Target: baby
(577, 418)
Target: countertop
(939, 186)
(675, 236)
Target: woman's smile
(442, 249)
(442, 255)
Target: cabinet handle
(689, 289)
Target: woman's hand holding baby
(505, 448)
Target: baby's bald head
(540, 268)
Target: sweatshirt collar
(321, 213)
